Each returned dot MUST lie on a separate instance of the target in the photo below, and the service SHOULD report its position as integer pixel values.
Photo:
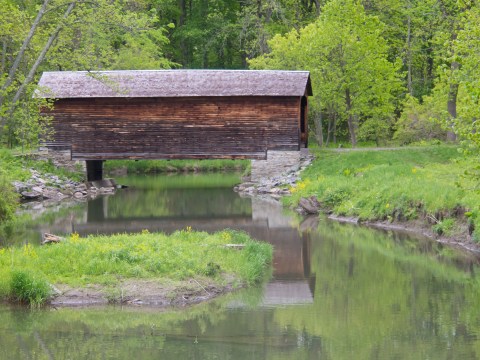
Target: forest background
(382, 70)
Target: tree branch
(23, 48)
(37, 63)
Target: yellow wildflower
(74, 237)
(29, 251)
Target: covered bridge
(177, 114)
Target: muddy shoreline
(462, 241)
(139, 292)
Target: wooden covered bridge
(176, 114)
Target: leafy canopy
(351, 74)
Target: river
(338, 291)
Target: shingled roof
(173, 83)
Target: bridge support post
(94, 170)
(278, 163)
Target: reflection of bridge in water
(293, 281)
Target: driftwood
(235, 246)
(50, 238)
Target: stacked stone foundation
(277, 164)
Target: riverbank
(154, 269)
(424, 190)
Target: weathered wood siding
(188, 127)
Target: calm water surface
(337, 291)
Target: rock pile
(51, 187)
(276, 186)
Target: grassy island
(182, 261)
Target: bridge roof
(173, 83)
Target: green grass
(8, 199)
(28, 288)
(411, 183)
(107, 259)
(162, 166)
(16, 167)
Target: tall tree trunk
(335, 128)
(37, 63)
(452, 103)
(430, 58)
(4, 56)
(262, 36)
(21, 52)
(319, 128)
(329, 130)
(317, 7)
(351, 119)
(182, 19)
(409, 55)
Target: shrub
(416, 122)
(444, 227)
(333, 197)
(27, 288)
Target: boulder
(31, 195)
(78, 195)
(38, 189)
(309, 206)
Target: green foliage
(8, 199)
(444, 227)
(343, 58)
(421, 122)
(12, 167)
(28, 288)
(466, 48)
(212, 269)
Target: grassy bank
(407, 184)
(164, 166)
(27, 271)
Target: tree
(75, 35)
(466, 49)
(347, 57)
